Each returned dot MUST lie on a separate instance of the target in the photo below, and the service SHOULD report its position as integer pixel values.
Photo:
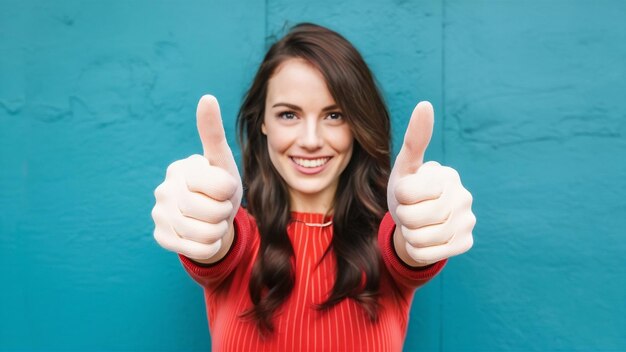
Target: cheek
(348, 157)
(274, 155)
(276, 143)
(342, 141)
(277, 146)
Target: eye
(335, 116)
(287, 115)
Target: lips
(310, 166)
(310, 162)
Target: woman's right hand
(197, 202)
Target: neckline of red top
(310, 217)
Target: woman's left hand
(431, 208)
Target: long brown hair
(359, 205)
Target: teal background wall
(98, 97)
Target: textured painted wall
(98, 97)
(535, 118)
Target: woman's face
(308, 140)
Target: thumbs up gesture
(197, 202)
(430, 206)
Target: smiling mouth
(310, 163)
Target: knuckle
(204, 252)
(159, 192)
(184, 207)
(229, 207)
(223, 191)
(465, 202)
(401, 211)
(155, 213)
(217, 231)
(469, 197)
(223, 188)
(204, 232)
(413, 238)
(221, 212)
(194, 157)
(466, 244)
(196, 161)
(417, 241)
(158, 215)
(225, 181)
(213, 216)
(192, 253)
(202, 208)
(232, 186)
(222, 227)
(452, 173)
(410, 237)
(472, 219)
(470, 243)
(172, 168)
(160, 238)
(416, 255)
(186, 202)
(401, 191)
(431, 164)
(397, 192)
(408, 217)
(212, 249)
(156, 236)
(430, 168)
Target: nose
(311, 135)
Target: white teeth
(311, 163)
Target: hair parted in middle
(361, 198)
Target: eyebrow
(297, 108)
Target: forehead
(298, 82)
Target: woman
(314, 261)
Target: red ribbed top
(299, 326)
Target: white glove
(196, 204)
(427, 201)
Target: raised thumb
(416, 139)
(212, 135)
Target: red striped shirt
(299, 326)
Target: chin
(308, 188)
(311, 190)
